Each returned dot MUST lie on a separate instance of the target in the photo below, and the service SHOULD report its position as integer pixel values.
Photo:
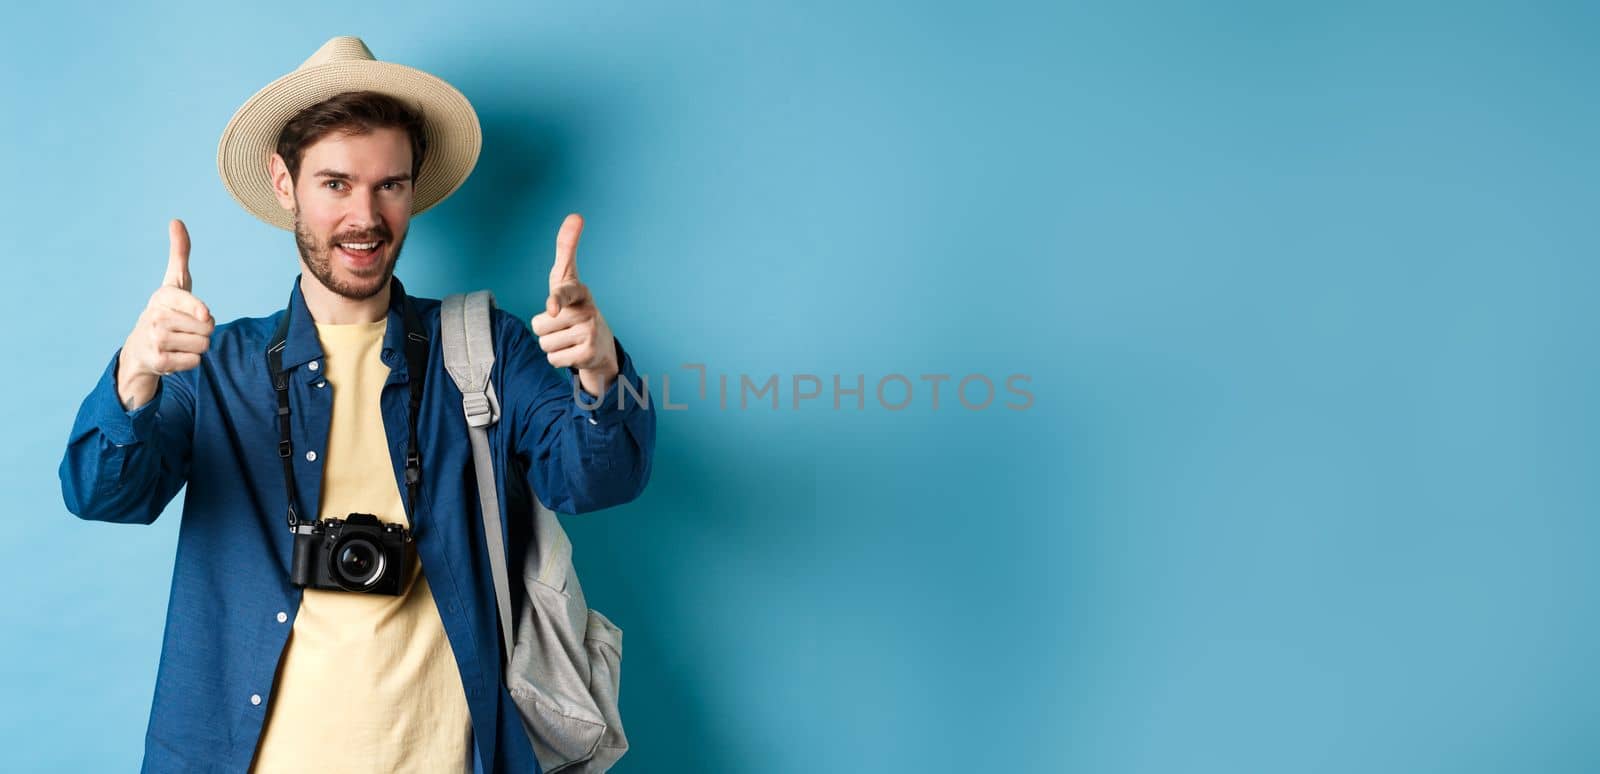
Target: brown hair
(352, 112)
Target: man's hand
(172, 333)
(571, 330)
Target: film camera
(357, 553)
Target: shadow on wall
(675, 696)
(512, 182)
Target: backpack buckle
(482, 408)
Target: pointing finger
(178, 256)
(566, 265)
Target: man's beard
(319, 259)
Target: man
(257, 671)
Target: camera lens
(358, 562)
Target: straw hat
(346, 64)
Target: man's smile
(358, 258)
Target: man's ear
(282, 183)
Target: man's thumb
(178, 256)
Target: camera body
(358, 553)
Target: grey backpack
(565, 659)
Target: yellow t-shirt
(368, 682)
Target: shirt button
(282, 616)
(592, 422)
(313, 365)
(255, 698)
(311, 456)
(322, 383)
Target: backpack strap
(468, 346)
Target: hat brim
(450, 126)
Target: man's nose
(364, 215)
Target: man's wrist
(595, 381)
(134, 387)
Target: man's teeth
(359, 245)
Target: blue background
(1305, 294)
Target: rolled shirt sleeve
(124, 465)
(583, 456)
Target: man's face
(351, 189)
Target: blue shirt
(232, 606)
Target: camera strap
(416, 364)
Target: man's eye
(334, 183)
(392, 185)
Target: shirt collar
(302, 346)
